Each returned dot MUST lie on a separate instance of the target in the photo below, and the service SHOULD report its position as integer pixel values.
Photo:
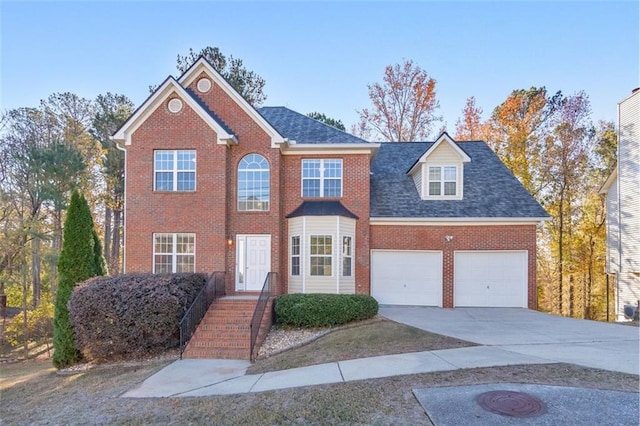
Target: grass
(31, 392)
(366, 339)
(93, 397)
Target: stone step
(223, 334)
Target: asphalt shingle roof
(490, 189)
(304, 130)
(321, 208)
(212, 114)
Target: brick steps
(224, 332)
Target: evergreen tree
(77, 263)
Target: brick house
(213, 184)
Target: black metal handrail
(213, 289)
(258, 313)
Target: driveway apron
(607, 346)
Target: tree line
(548, 140)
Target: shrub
(323, 310)
(77, 263)
(131, 315)
(39, 325)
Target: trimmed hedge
(323, 310)
(131, 315)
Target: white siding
(613, 230)
(628, 288)
(348, 228)
(417, 179)
(628, 292)
(295, 229)
(629, 180)
(336, 227)
(444, 154)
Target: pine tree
(77, 263)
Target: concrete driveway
(593, 344)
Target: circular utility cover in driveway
(512, 404)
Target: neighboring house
(622, 192)
(213, 184)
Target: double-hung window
(295, 255)
(174, 253)
(174, 170)
(253, 183)
(321, 252)
(346, 256)
(322, 178)
(442, 180)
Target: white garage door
(406, 277)
(490, 278)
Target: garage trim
(436, 274)
(523, 277)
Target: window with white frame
(346, 256)
(174, 170)
(322, 178)
(295, 255)
(253, 183)
(442, 180)
(321, 252)
(174, 253)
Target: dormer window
(439, 172)
(442, 180)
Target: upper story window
(322, 178)
(174, 170)
(174, 253)
(253, 183)
(442, 180)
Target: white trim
(203, 65)
(303, 255)
(290, 148)
(124, 210)
(441, 270)
(455, 221)
(322, 178)
(339, 256)
(167, 89)
(174, 253)
(426, 180)
(174, 171)
(610, 180)
(442, 138)
(246, 247)
(525, 301)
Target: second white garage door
(490, 279)
(400, 277)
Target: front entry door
(253, 261)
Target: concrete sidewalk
(194, 377)
(509, 336)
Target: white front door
(253, 261)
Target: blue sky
(320, 56)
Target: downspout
(124, 208)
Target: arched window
(253, 183)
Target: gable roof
(166, 89)
(443, 138)
(490, 189)
(609, 182)
(300, 129)
(202, 65)
(321, 208)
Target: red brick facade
(211, 213)
(465, 237)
